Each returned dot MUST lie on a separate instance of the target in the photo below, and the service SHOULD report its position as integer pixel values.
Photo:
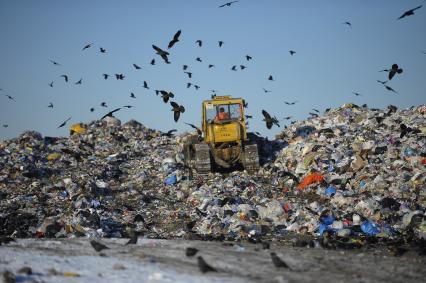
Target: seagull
(55, 63)
(177, 109)
(50, 105)
(105, 76)
(102, 50)
(227, 4)
(347, 23)
(162, 53)
(136, 67)
(270, 78)
(270, 121)
(248, 57)
(145, 85)
(266, 91)
(409, 12)
(109, 114)
(220, 43)
(199, 131)
(64, 123)
(79, 82)
(65, 77)
(292, 52)
(199, 42)
(51, 84)
(87, 46)
(175, 39)
(290, 103)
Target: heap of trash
(353, 174)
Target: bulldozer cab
(224, 120)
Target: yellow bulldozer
(222, 141)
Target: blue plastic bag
(370, 228)
(171, 180)
(330, 191)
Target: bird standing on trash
(204, 266)
(98, 246)
(278, 262)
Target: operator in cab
(222, 115)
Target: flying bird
(87, 46)
(248, 57)
(189, 74)
(92, 109)
(50, 105)
(199, 132)
(357, 94)
(98, 246)
(287, 118)
(316, 110)
(162, 53)
(292, 52)
(220, 43)
(169, 133)
(204, 266)
(185, 67)
(290, 103)
(211, 66)
(64, 123)
(110, 114)
(382, 82)
(65, 77)
(248, 116)
(270, 78)
(10, 97)
(266, 91)
(177, 109)
(102, 50)
(79, 82)
(119, 76)
(175, 39)
(313, 114)
(5, 125)
(347, 23)
(198, 59)
(152, 62)
(390, 89)
(199, 42)
(242, 67)
(279, 263)
(145, 85)
(394, 70)
(227, 4)
(51, 84)
(132, 95)
(55, 63)
(105, 76)
(270, 121)
(188, 85)
(136, 67)
(128, 106)
(196, 87)
(234, 68)
(409, 12)
(103, 104)
(166, 95)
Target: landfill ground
(74, 260)
(340, 197)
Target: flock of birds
(178, 109)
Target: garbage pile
(353, 174)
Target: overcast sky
(332, 59)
